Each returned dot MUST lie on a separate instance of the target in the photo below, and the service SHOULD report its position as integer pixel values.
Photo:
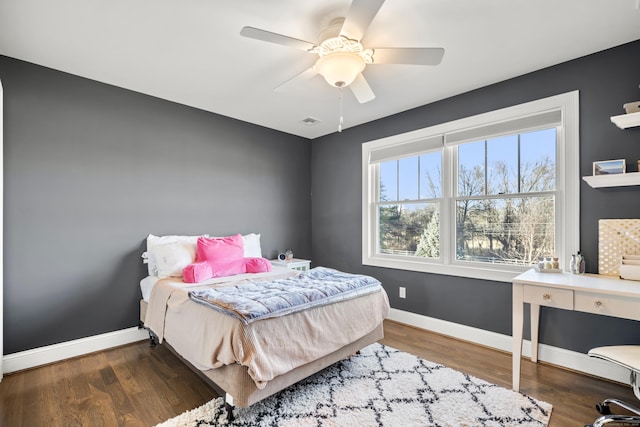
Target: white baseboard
(554, 355)
(557, 356)
(56, 352)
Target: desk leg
(535, 320)
(518, 325)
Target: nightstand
(294, 264)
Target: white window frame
(567, 202)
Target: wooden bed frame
(234, 383)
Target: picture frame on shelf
(609, 167)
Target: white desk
(591, 293)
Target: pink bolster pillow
(227, 267)
(205, 270)
(257, 265)
(197, 272)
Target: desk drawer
(608, 305)
(550, 297)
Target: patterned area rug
(381, 386)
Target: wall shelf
(617, 180)
(625, 121)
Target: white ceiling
(191, 51)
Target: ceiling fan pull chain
(340, 110)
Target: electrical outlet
(403, 292)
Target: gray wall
(605, 80)
(91, 169)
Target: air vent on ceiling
(310, 121)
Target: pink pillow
(257, 265)
(197, 272)
(223, 256)
(211, 248)
(227, 267)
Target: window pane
(538, 161)
(471, 169)
(409, 229)
(429, 241)
(408, 178)
(431, 175)
(389, 181)
(505, 231)
(502, 165)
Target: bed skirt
(234, 380)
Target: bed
(247, 360)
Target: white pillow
(168, 262)
(172, 258)
(252, 247)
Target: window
(479, 197)
(408, 206)
(505, 198)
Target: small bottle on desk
(548, 264)
(580, 263)
(572, 264)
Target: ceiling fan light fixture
(341, 56)
(340, 69)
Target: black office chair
(627, 356)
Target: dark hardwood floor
(573, 395)
(136, 385)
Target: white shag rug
(381, 386)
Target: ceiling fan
(341, 56)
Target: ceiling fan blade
(408, 55)
(361, 89)
(359, 17)
(296, 80)
(268, 36)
